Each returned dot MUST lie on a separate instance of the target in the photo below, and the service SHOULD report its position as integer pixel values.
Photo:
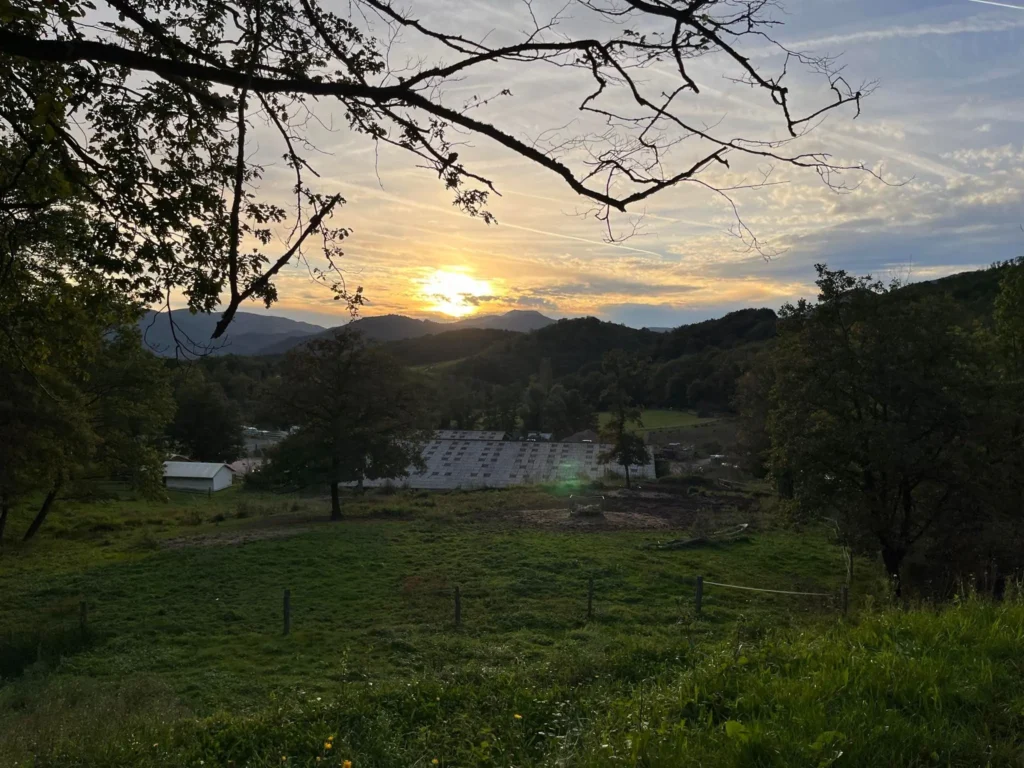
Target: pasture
(183, 660)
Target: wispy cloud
(974, 25)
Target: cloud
(975, 25)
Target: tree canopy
(359, 416)
(143, 113)
(879, 414)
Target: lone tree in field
(148, 115)
(875, 413)
(358, 414)
(625, 376)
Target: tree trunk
(628, 485)
(335, 501)
(893, 560)
(5, 507)
(43, 512)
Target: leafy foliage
(358, 413)
(207, 424)
(882, 409)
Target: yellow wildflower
(435, 761)
(518, 717)
(328, 745)
(347, 764)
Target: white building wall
(222, 479)
(218, 482)
(201, 484)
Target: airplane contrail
(1001, 5)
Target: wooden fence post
(700, 592)
(287, 611)
(83, 617)
(590, 599)
(458, 606)
(844, 599)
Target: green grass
(438, 367)
(184, 662)
(661, 419)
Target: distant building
(473, 463)
(540, 437)
(245, 466)
(586, 436)
(199, 476)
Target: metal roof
(469, 434)
(192, 469)
(470, 463)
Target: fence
(842, 599)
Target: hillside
(249, 333)
(175, 671)
(398, 327)
(390, 328)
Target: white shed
(196, 476)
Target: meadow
(184, 660)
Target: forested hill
(695, 366)
(692, 366)
(249, 334)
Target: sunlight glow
(455, 293)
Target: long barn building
(469, 462)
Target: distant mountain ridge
(248, 334)
(259, 334)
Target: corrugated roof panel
(458, 463)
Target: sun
(455, 294)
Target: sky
(944, 127)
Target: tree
(532, 410)
(627, 448)
(358, 411)
(171, 93)
(753, 401)
(206, 426)
(81, 397)
(565, 412)
(502, 410)
(1009, 318)
(122, 403)
(874, 410)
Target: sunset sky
(946, 122)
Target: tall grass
(921, 687)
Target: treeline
(899, 415)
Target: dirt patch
(643, 509)
(609, 521)
(281, 527)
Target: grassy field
(660, 419)
(184, 661)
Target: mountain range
(258, 334)
(261, 334)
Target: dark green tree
(626, 375)
(360, 416)
(207, 425)
(80, 397)
(873, 413)
(502, 408)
